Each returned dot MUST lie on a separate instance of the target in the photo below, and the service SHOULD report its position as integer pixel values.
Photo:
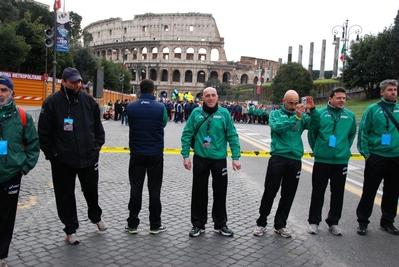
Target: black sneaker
(161, 229)
(224, 231)
(362, 230)
(195, 231)
(130, 230)
(389, 229)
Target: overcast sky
(259, 28)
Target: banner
(62, 32)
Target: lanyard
(335, 119)
(387, 118)
(69, 102)
(208, 120)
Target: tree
(112, 75)
(369, 63)
(85, 61)
(32, 31)
(291, 76)
(16, 47)
(75, 32)
(8, 11)
(394, 51)
(221, 88)
(87, 38)
(37, 13)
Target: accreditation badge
(68, 124)
(332, 141)
(3, 147)
(386, 140)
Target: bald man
(214, 128)
(284, 167)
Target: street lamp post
(55, 49)
(346, 32)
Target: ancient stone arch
(177, 50)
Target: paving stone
(40, 241)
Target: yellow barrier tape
(244, 153)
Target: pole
(123, 80)
(345, 35)
(54, 47)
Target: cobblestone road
(39, 239)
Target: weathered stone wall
(178, 51)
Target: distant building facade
(178, 51)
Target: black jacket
(80, 147)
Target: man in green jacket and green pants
(331, 144)
(284, 167)
(215, 129)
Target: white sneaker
(102, 225)
(72, 239)
(3, 263)
(313, 229)
(283, 232)
(335, 230)
(259, 230)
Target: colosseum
(178, 51)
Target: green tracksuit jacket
(345, 132)
(373, 126)
(18, 158)
(286, 132)
(221, 131)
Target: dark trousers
(138, 167)
(64, 180)
(9, 192)
(251, 118)
(322, 172)
(124, 117)
(179, 117)
(376, 169)
(285, 172)
(244, 117)
(202, 168)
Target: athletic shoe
(335, 230)
(224, 231)
(313, 229)
(72, 239)
(259, 230)
(362, 230)
(195, 231)
(102, 225)
(132, 231)
(161, 229)
(283, 232)
(3, 263)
